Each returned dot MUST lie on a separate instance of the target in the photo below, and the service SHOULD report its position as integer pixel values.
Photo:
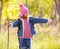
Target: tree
(1, 4)
(1, 7)
(57, 2)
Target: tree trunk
(27, 3)
(1, 6)
(1, 3)
(57, 2)
(37, 6)
(54, 14)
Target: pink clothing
(23, 10)
(27, 33)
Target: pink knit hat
(23, 10)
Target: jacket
(32, 21)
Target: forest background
(47, 35)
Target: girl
(25, 26)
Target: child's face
(25, 16)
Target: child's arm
(39, 20)
(13, 24)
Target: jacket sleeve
(15, 23)
(39, 20)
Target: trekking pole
(8, 35)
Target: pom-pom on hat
(23, 10)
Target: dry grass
(46, 38)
